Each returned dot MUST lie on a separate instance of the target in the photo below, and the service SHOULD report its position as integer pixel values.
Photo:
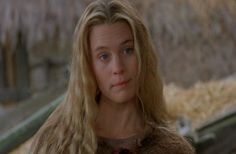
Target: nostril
(119, 72)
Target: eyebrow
(122, 43)
(127, 41)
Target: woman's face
(114, 61)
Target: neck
(118, 120)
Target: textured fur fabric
(158, 141)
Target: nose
(118, 66)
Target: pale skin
(115, 67)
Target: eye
(103, 56)
(128, 51)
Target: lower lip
(123, 84)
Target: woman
(114, 102)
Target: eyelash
(125, 51)
(103, 56)
(128, 51)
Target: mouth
(121, 84)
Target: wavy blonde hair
(70, 128)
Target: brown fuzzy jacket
(157, 141)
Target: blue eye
(103, 56)
(128, 51)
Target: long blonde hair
(70, 128)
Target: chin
(123, 98)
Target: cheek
(100, 74)
(134, 66)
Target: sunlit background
(196, 44)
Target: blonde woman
(114, 103)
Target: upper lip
(120, 83)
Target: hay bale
(39, 20)
(195, 36)
(201, 102)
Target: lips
(122, 83)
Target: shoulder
(164, 141)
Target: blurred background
(195, 40)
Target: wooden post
(10, 63)
(22, 67)
(8, 91)
(14, 69)
(1, 69)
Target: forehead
(109, 34)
